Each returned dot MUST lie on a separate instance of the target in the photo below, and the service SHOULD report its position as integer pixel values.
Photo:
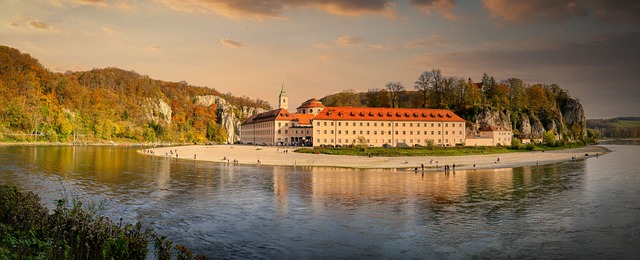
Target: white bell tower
(283, 100)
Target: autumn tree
(394, 90)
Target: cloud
(348, 40)
(155, 48)
(232, 43)
(273, 9)
(110, 31)
(443, 7)
(525, 12)
(40, 25)
(14, 24)
(602, 70)
(380, 47)
(424, 42)
(99, 3)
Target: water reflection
(235, 211)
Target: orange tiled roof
(394, 114)
(303, 119)
(279, 114)
(311, 103)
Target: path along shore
(281, 156)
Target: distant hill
(107, 104)
(619, 127)
(528, 109)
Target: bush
(516, 143)
(28, 231)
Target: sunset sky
(320, 47)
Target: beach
(282, 156)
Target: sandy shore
(253, 155)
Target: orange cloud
(523, 11)
(443, 7)
(231, 43)
(273, 9)
(348, 40)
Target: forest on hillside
(467, 98)
(619, 127)
(99, 105)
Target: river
(588, 208)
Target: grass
(430, 151)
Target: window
(331, 131)
(425, 132)
(431, 124)
(404, 132)
(318, 140)
(279, 124)
(446, 124)
(286, 124)
(367, 131)
(460, 124)
(325, 140)
(367, 123)
(438, 132)
(432, 132)
(339, 140)
(403, 124)
(325, 132)
(411, 132)
(279, 131)
(286, 131)
(325, 123)
(354, 132)
(410, 124)
(374, 132)
(318, 132)
(318, 124)
(339, 132)
(460, 132)
(446, 132)
(396, 124)
(375, 124)
(396, 132)
(339, 123)
(389, 124)
(360, 131)
(331, 123)
(360, 123)
(390, 132)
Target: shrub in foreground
(28, 231)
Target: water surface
(584, 208)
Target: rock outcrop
(228, 115)
(567, 122)
(158, 111)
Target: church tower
(283, 100)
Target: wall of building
(378, 133)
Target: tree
(394, 88)
(423, 86)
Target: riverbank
(281, 156)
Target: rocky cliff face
(229, 116)
(568, 122)
(488, 117)
(574, 118)
(158, 111)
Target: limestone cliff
(229, 116)
(567, 121)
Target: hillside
(619, 127)
(529, 110)
(111, 104)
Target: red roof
(390, 114)
(279, 114)
(311, 103)
(303, 119)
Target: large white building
(314, 124)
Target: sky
(320, 47)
